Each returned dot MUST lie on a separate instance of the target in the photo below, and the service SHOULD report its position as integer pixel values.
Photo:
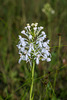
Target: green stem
(55, 81)
(31, 89)
(58, 62)
(59, 45)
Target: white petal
(45, 56)
(41, 27)
(23, 43)
(47, 53)
(36, 24)
(37, 61)
(43, 59)
(43, 33)
(29, 54)
(29, 50)
(31, 46)
(35, 28)
(30, 36)
(48, 59)
(43, 37)
(43, 50)
(37, 42)
(28, 27)
(19, 60)
(26, 57)
(20, 37)
(40, 44)
(44, 44)
(48, 41)
(32, 24)
(18, 46)
(22, 49)
(23, 32)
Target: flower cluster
(33, 44)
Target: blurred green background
(50, 78)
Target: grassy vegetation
(50, 81)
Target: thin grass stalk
(58, 62)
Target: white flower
(48, 41)
(43, 33)
(37, 59)
(43, 50)
(28, 27)
(32, 24)
(33, 46)
(35, 28)
(40, 27)
(26, 57)
(48, 59)
(45, 44)
(22, 49)
(30, 36)
(30, 47)
(23, 32)
(21, 58)
(36, 24)
(52, 11)
(40, 44)
(19, 46)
